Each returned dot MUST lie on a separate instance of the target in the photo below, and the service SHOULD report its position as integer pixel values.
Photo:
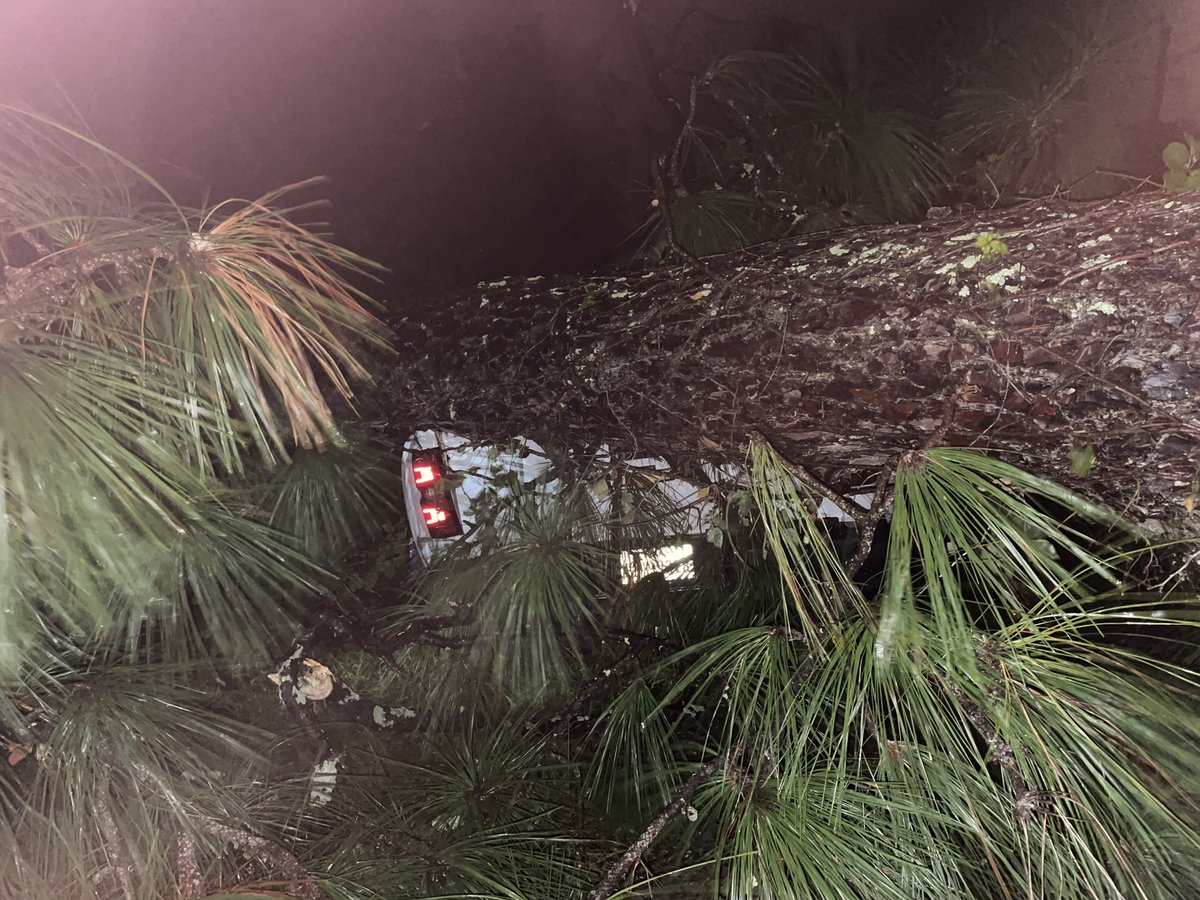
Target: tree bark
(1026, 331)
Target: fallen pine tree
(1061, 335)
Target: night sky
(463, 139)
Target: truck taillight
(427, 468)
(436, 495)
(433, 515)
(441, 519)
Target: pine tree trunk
(1030, 332)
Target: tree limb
(28, 287)
(113, 841)
(309, 689)
(619, 872)
(294, 700)
(869, 523)
(810, 481)
(1026, 801)
(282, 860)
(189, 882)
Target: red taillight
(427, 468)
(436, 494)
(433, 515)
(441, 519)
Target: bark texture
(1025, 331)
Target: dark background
(462, 139)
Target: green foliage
(987, 725)
(159, 368)
(990, 245)
(482, 814)
(147, 351)
(332, 501)
(1016, 92)
(785, 143)
(815, 835)
(708, 222)
(812, 575)
(131, 747)
(831, 132)
(1001, 717)
(535, 583)
(1180, 159)
(965, 525)
(533, 591)
(789, 143)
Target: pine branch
(627, 662)
(114, 844)
(617, 875)
(189, 882)
(870, 522)
(302, 884)
(1026, 800)
(306, 686)
(295, 701)
(31, 286)
(810, 481)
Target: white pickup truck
(446, 476)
